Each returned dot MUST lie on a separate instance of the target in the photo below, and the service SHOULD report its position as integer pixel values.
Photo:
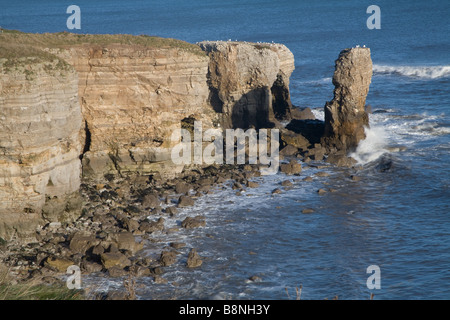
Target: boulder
(167, 258)
(182, 187)
(126, 241)
(171, 211)
(80, 243)
(195, 222)
(90, 266)
(185, 201)
(286, 183)
(322, 174)
(152, 226)
(291, 168)
(302, 113)
(98, 250)
(177, 245)
(296, 140)
(114, 259)
(316, 153)
(276, 191)
(288, 150)
(60, 264)
(341, 160)
(150, 201)
(194, 259)
(252, 184)
(130, 224)
(116, 271)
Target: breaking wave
(424, 72)
(372, 147)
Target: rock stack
(345, 115)
(249, 82)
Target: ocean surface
(397, 216)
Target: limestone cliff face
(249, 82)
(40, 121)
(132, 99)
(345, 115)
(83, 106)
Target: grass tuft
(35, 291)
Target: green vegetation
(19, 50)
(38, 292)
(19, 56)
(33, 291)
(15, 44)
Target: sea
(385, 232)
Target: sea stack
(345, 115)
(249, 82)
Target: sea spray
(372, 147)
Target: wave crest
(425, 72)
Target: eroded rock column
(249, 82)
(345, 115)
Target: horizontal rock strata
(133, 98)
(87, 107)
(40, 120)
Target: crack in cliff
(132, 156)
(87, 131)
(87, 140)
(115, 159)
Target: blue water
(398, 219)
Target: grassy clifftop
(15, 45)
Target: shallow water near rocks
(395, 215)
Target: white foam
(326, 80)
(373, 146)
(319, 114)
(425, 72)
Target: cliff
(40, 120)
(79, 107)
(132, 99)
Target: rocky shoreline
(117, 212)
(90, 183)
(122, 216)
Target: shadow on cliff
(252, 110)
(312, 130)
